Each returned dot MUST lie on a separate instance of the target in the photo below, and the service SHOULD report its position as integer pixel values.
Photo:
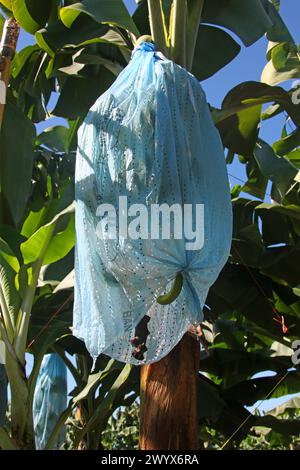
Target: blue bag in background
(50, 400)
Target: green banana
(172, 295)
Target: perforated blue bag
(149, 137)
(50, 400)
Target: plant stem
(157, 25)
(6, 442)
(21, 334)
(178, 32)
(194, 17)
(26, 307)
(21, 430)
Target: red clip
(281, 321)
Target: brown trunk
(7, 50)
(169, 392)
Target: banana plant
(34, 233)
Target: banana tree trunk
(7, 50)
(21, 421)
(169, 399)
(3, 394)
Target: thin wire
(255, 409)
(50, 320)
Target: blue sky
(247, 66)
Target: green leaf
(73, 345)
(291, 70)
(33, 222)
(294, 158)
(59, 245)
(79, 94)
(256, 184)
(21, 58)
(55, 138)
(9, 256)
(93, 58)
(13, 238)
(281, 264)
(2, 21)
(278, 32)
(31, 14)
(16, 161)
(73, 68)
(103, 11)
(37, 218)
(292, 211)
(104, 409)
(7, 3)
(282, 429)
(239, 117)
(248, 245)
(242, 365)
(46, 326)
(275, 168)
(246, 18)
(9, 296)
(288, 143)
(250, 391)
(65, 274)
(210, 402)
(250, 94)
(246, 300)
(240, 130)
(271, 111)
(275, 228)
(57, 35)
(280, 55)
(7, 443)
(222, 50)
(94, 380)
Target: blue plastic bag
(149, 138)
(50, 400)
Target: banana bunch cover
(148, 141)
(50, 399)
